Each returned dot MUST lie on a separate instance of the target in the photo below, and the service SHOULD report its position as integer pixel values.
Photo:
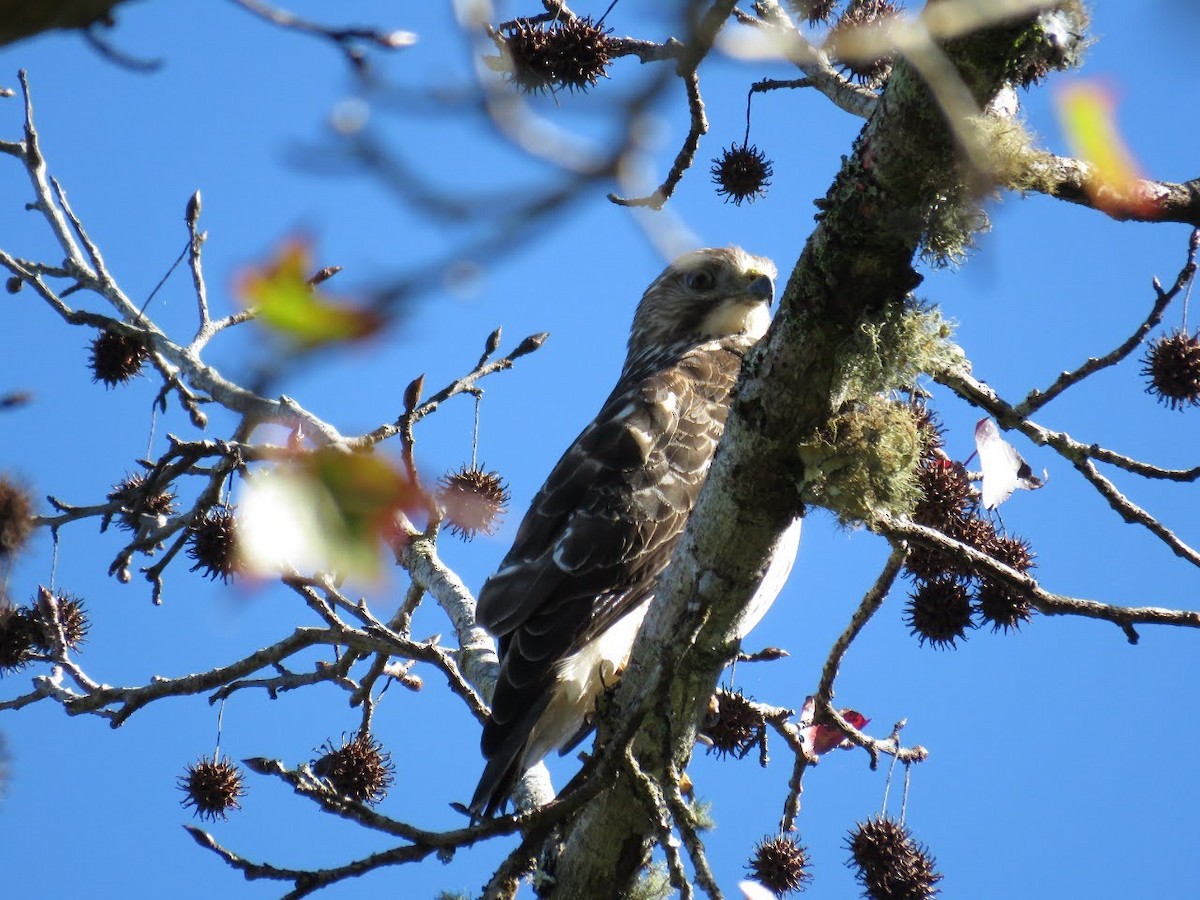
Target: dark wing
(598, 534)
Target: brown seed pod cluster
(137, 499)
(16, 518)
(741, 173)
(1173, 366)
(358, 768)
(735, 726)
(780, 864)
(475, 501)
(29, 631)
(213, 544)
(116, 358)
(212, 787)
(890, 864)
(949, 590)
(571, 53)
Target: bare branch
(1079, 455)
(1044, 601)
(686, 155)
(1146, 200)
(1036, 399)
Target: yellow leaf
(1087, 112)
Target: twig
(686, 155)
(660, 817)
(696, 49)
(345, 39)
(685, 822)
(1036, 399)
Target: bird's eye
(700, 280)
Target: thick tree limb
(1075, 181)
(855, 268)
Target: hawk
(567, 601)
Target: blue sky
(1059, 756)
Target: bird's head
(704, 295)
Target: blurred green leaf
(288, 303)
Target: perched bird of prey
(568, 599)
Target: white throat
(737, 317)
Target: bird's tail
(506, 747)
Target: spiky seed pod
(573, 54)
(212, 787)
(860, 14)
(931, 563)
(136, 501)
(813, 11)
(737, 726)
(116, 358)
(945, 494)
(927, 564)
(1014, 551)
(939, 611)
(581, 52)
(71, 615)
(780, 864)
(1173, 366)
(945, 504)
(359, 769)
(527, 63)
(891, 865)
(213, 544)
(16, 518)
(16, 638)
(978, 533)
(475, 501)
(742, 173)
(1001, 606)
(13, 284)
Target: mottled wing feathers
(600, 532)
(619, 495)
